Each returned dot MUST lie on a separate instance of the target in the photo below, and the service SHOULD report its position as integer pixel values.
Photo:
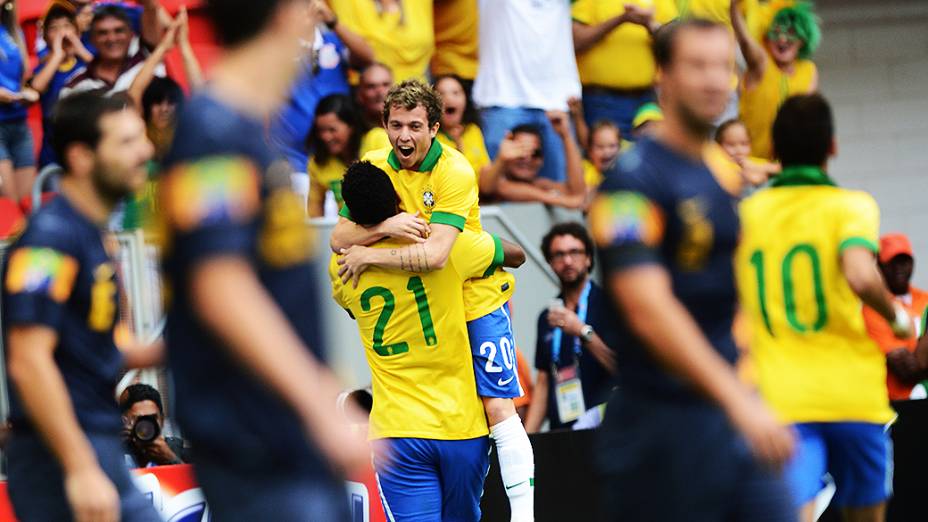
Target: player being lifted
(805, 263)
(438, 194)
(415, 338)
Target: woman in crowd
(17, 159)
(336, 140)
(460, 124)
(779, 66)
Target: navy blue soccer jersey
(225, 195)
(659, 207)
(58, 275)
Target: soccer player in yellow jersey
(804, 265)
(416, 342)
(438, 196)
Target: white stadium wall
(873, 67)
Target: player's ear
(833, 148)
(80, 159)
(434, 130)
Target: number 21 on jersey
(389, 305)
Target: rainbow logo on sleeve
(211, 191)
(620, 218)
(41, 271)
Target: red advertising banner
(177, 498)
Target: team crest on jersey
(698, 234)
(428, 199)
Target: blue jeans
(16, 143)
(36, 483)
(614, 107)
(497, 121)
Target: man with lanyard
(439, 184)
(676, 441)
(573, 356)
(60, 308)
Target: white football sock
(517, 467)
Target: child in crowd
(65, 59)
(733, 137)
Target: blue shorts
(857, 455)
(16, 143)
(494, 351)
(426, 480)
(36, 484)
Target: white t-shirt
(526, 55)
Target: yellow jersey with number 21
(415, 339)
(444, 190)
(815, 361)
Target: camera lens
(146, 429)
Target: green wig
(802, 20)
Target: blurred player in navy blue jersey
(243, 330)
(60, 308)
(678, 436)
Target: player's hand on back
(771, 442)
(353, 262)
(405, 226)
(93, 498)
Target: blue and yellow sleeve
(211, 205)
(39, 280)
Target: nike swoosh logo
(504, 383)
(516, 485)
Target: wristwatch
(586, 333)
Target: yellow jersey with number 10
(814, 359)
(415, 339)
(444, 190)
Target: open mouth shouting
(406, 151)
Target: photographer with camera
(143, 421)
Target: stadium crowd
(554, 102)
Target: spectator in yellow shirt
(460, 126)
(612, 40)
(337, 140)
(778, 67)
(456, 40)
(400, 31)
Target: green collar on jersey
(800, 175)
(428, 163)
